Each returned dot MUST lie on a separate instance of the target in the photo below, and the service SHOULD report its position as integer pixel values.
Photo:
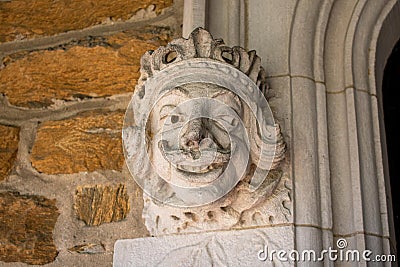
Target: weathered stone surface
(86, 142)
(23, 18)
(228, 248)
(9, 137)
(101, 204)
(93, 67)
(26, 228)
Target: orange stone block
(21, 19)
(9, 137)
(87, 142)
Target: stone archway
(337, 54)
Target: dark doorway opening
(391, 108)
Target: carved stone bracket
(201, 140)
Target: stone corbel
(201, 140)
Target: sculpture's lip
(187, 158)
(202, 168)
(196, 161)
(203, 150)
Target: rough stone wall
(67, 73)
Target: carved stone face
(200, 139)
(190, 130)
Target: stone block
(227, 248)
(9, 137)
(270, 41)
(26, 228)
(26, 19)
(101, 204)
(87, 142)
(87, 68)
(88, 249)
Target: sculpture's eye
(174, 118)
(166, 111)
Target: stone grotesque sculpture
(201, 141)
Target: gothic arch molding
(342, 44)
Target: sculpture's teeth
(194, 169)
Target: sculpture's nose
(192, 134)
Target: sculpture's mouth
(201, 169)
(198, 161)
